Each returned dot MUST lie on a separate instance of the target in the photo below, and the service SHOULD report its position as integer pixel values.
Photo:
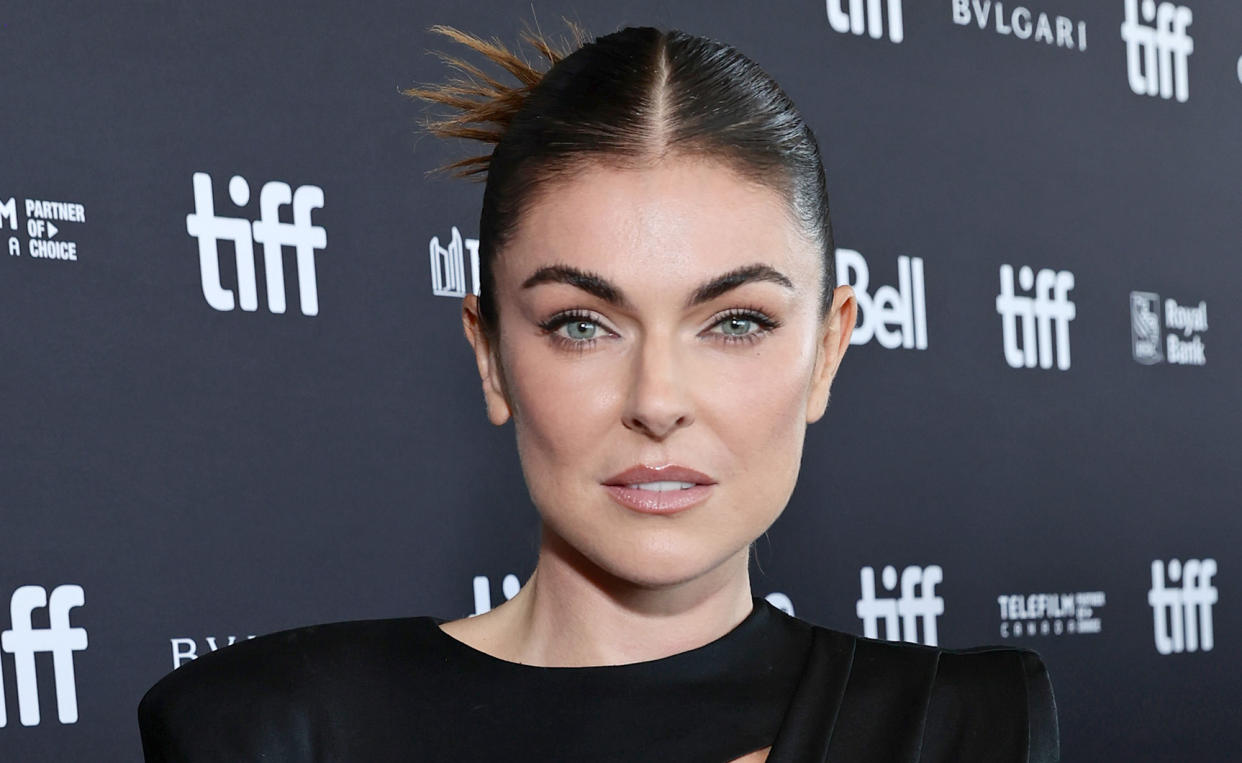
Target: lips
(659, 490)
(639, 474)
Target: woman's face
(661, 317)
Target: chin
(661, 562)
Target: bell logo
(1157, 56)
(852, 20)
(894, 317)
(910, 607)
(1035, 316)
(22, 640)
(1183, 616)
(268, 231)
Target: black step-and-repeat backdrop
(235, 398)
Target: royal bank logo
(60, 639)
(187, 648)
(1049, 614)
(448, 265)
(857, 17)
(269, 231)
(894, 317)
(1182, 613)
(1167, 331)
(49, 228)
(1158, 48)
(1022, 23)
(1035, 327)
(917, 604)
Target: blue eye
(580, 330)
(736, 326)
(576, 330)
(743, 325)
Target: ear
(834, 340)
(487, 358)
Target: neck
(570, 613)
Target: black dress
(402, 689)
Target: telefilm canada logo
(858, 18)
(1158, 48)
(1049, 614)
(917, 604)
(50, 228)
(269, 231)
(894, 317)
(1035, 328)
(1167, 331)
(1022, 23)
(1181, 599)
(448, 265)
(23, 640)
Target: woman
(657, 318)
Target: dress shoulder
(897, 701)
(257, 699)
(991, 703)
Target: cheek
(561, 405)
(758, 406)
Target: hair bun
(483, 104)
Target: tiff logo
(1156, 56)
(268, 231)
(509, 586)
(22, 640)
(448, 268)
(852, 20)
(910, 607)
(1183, 616)
(1033, 317)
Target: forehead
(681, 218)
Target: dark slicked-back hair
(627, 99)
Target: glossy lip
(652, 502)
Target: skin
(658, 383)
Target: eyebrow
(595, 284)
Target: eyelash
(753, 314)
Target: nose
(659, 401)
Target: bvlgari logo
(1022, 23)
(188, 648)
